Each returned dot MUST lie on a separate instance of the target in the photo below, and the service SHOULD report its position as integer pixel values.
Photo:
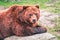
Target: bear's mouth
(28, 22)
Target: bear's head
(27, 14)
(30, 14)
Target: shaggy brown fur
(20, 20)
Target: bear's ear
(13, 8)
(24, 7)
(37, 6)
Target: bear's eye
(30, 14)
(35, 13)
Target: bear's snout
(34, 20)
(38, 30)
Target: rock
(47, 18)
(43, 36)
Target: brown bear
(20, 20)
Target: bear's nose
(34, 20)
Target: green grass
(26, 2)
(42, 4)
(53, 31)
(55, 7)
(57, 27)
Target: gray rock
(47, 18)
(43, 36)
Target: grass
(57, 27)
(42, 3)
(55, 7)
(26, 2)
(53, 31)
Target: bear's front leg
(1, 38)
(39, 29)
